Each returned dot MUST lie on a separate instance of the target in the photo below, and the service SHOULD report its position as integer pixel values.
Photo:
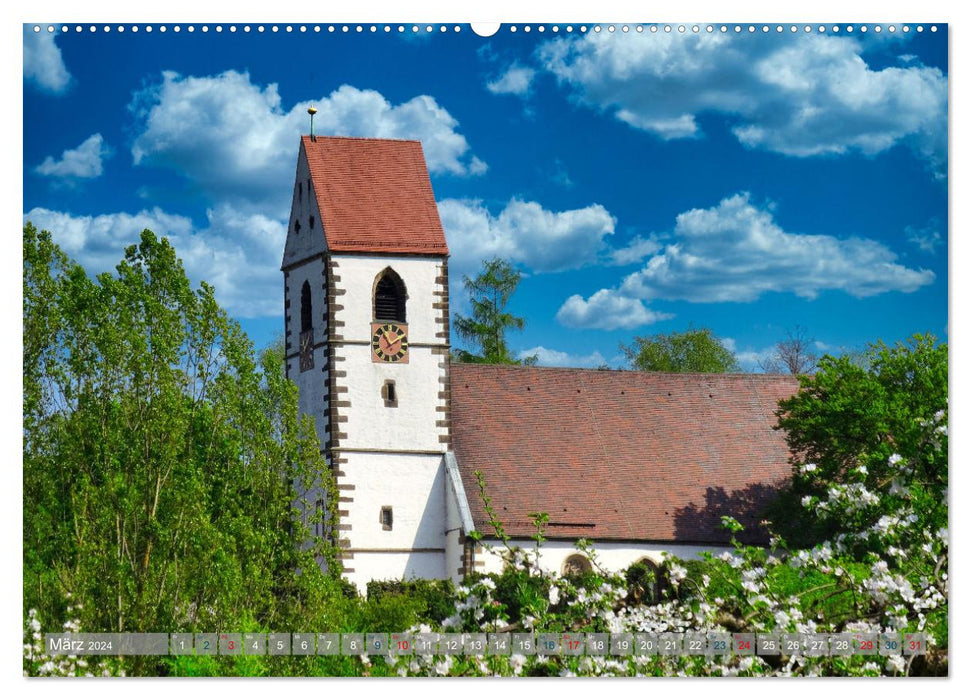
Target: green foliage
(854, 414)
(169, 480)
(489, 294)
(436, 598)
(695, 350)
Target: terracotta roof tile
(374, 195)
(619, 455)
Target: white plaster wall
(310, 241)
(312, 384)
(357, 275)
(613, 556)
(411, 425)
(404, 565)
(411, 484)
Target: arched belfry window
(389, 297)
(306, 309)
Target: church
(639, 463)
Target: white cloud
(239, 254)
(607, 310)
(516, 80)
(526, 233)
(635, 251)
(801, 96)
(557, 358)
(85, 161)
(927, 238)
(236, 140)
(736, 251)
(43, 63)
(749, 360)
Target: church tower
(367, 337)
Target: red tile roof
(615, 455)
(374, 195)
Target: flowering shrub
(38, 663)
(884, 571)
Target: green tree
(871, 415)
(695, 350)
(489, 294)
(170, 482)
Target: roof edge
(594, 370)
(461, 497)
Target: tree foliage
(169, 481)
(489, 295)
(854, 415)
(694, 350)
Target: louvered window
(389, 298)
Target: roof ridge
(318, 137)
(617, 370)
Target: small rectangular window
(389, 394)
(387, 518)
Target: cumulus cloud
(85, 161)
(43, 64)
(516, 80)
(607, 310)
(800, 96)
(237, 141)
(635, 251)
(735, 251)
(526, 233)
(237, 253)
(557, 358)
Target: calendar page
(589, 349)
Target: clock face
(307, 350)
(389, 342)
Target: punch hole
(484, 29)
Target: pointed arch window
(389, 297)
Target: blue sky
(642, 182)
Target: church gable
(305, 232)
(619, 456)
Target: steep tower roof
(374, 196)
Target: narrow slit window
(387, 518)
(306, 309)
(311, 222)
(389, 394)
(300, 192)
(296, 227)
